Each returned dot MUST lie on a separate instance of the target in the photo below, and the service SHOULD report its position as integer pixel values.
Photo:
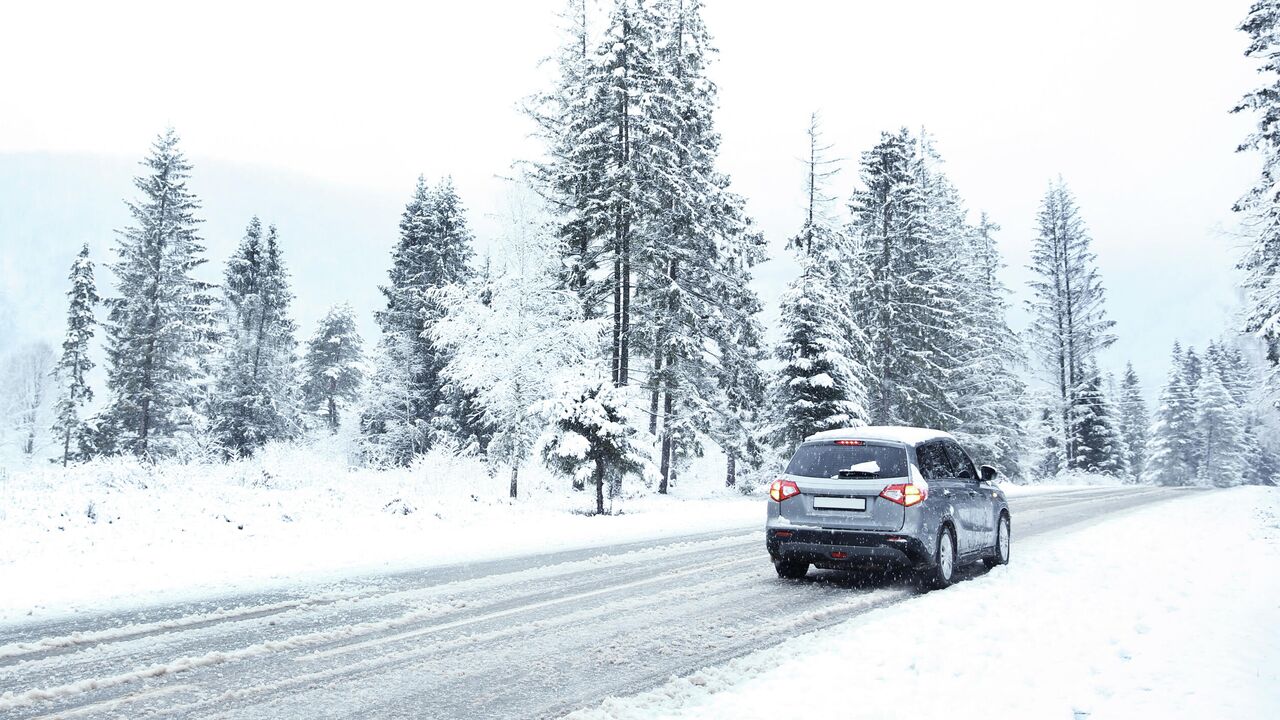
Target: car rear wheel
(944, 562)
(791, 569)
(1000, 553)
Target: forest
(615, 336)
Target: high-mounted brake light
(905, 494)
(849, 442)
(782, 489)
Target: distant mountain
(336, 239)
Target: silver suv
(886, 496)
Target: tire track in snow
(547, 654)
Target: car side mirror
(988, 473)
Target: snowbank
(1153, 614)
(115, 532)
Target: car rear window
(826, 460)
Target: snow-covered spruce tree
(390, 434)
(739, 426)
(1246, 381)
(588, 436)
(651, 237)
(1047, 458)
(1069, 324)
(609, 152)
(1220, 434)
(434, 251)
(695, 250)
(160, 327)
(989, 395)
(1192, 369)
(823, 353)
(906, 301)
(514, 341)
(568, 118)
(1100, 447)
(333, 369)
(1261, 204)
(257, 396)
(1134, 422)
(1171, 441)
(458, 418)
(75, 394)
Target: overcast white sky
(321, 116)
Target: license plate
(839, 503)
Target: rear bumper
(835, 548)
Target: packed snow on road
(1165, 612)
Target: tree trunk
(731, 472)
(656, 381)
(667, 443)
(599, 487)
(515, 471)
(615, 359)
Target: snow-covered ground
(114, 532)
(1171, 611)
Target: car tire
(791, 569)
(1000, 553)
(945, 559)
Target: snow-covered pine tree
(1171, 440)
(823, 354)
(588, 435)
(1134, 422)
(434, 251)
(568, 118)
(390, 434)
(695, 247)
(985, 386)
(333, 368)
(159, 329)
(1101, 448)
(1069, 324)
(257, 384)
(1220, 434)
(744, 386)
(1047, 458)
(906, 301)
(1192, 370)
(75, 394)
(458, 418)
(1261, 204)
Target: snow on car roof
(891, 433)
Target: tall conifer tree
(257, 398)
(71, 426)
(159, 330)
(1069, 324)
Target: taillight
(855, 443)
(905, 494)
(782, 489)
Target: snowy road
(535, 636)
